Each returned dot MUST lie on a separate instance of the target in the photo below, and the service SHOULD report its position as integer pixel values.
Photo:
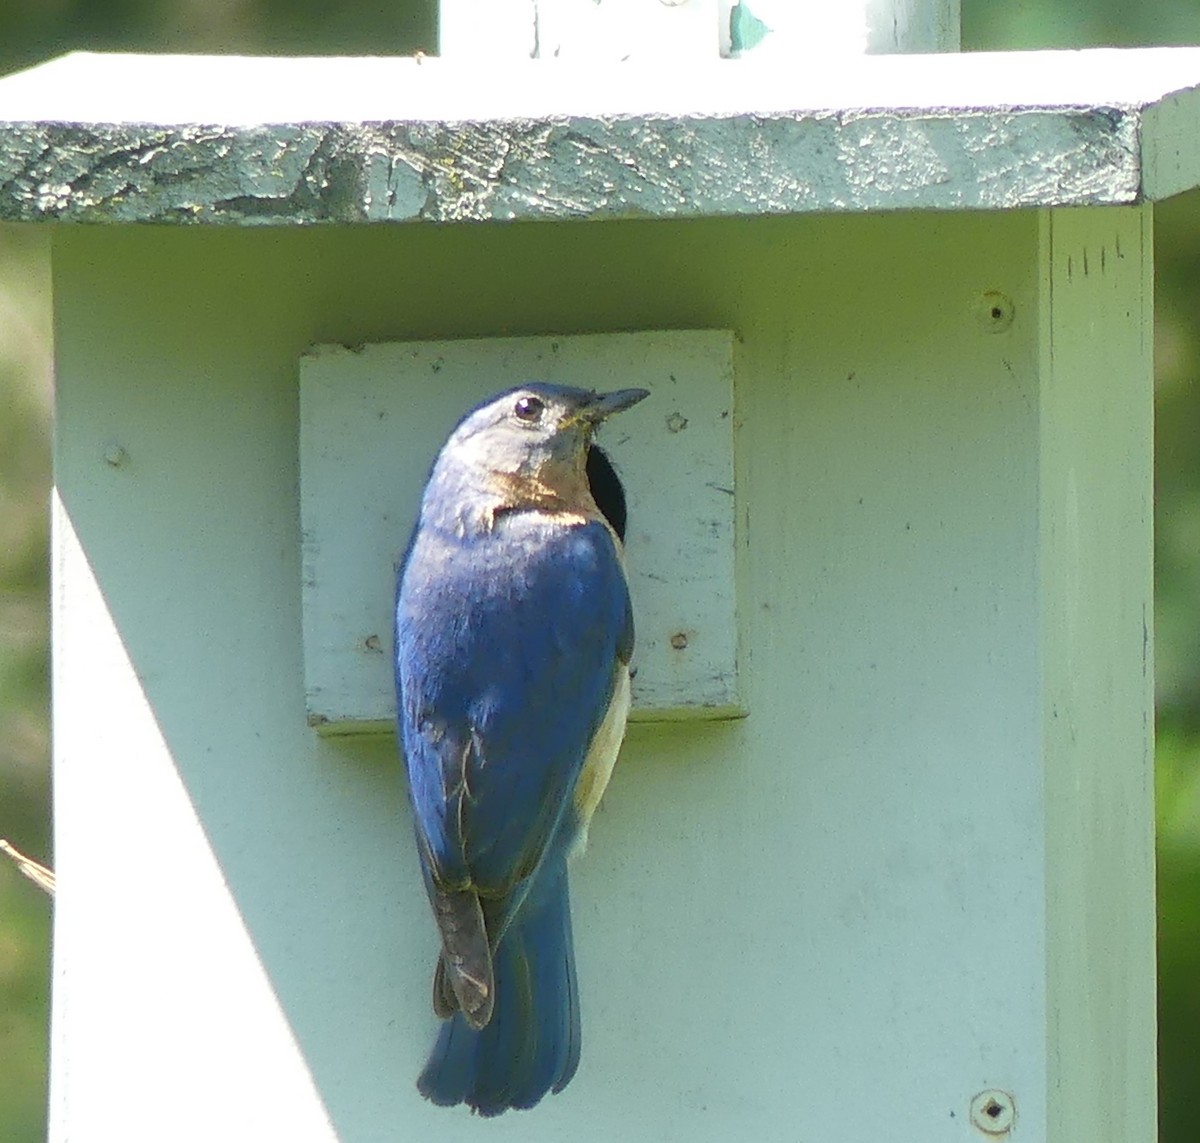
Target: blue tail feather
(531, 1044)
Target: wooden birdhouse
(877, 861)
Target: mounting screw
(679, 640)
(115, 455)
(995, 311)
(993, 1112)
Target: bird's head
(527, 442)
(531, 432)
(521, 431)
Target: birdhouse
(877, 858)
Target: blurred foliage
(25, 397)
(988, 25)
(1177, 787)
(34, 30)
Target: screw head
(993, 1112)
(994, 311)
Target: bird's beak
(604, 405)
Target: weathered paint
(432, 142)
(585, 168)
(747, 30)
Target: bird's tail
(531, 1044)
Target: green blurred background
(34, 30)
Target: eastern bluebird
(513, 639)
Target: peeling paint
(746, 30)
(570, 167)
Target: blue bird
(513, 638)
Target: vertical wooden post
(1095, 569)
(787, 29)
(913, 26)
(693, 29)
(609, 30)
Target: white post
(790, 29)
(580, 30)
(913, 26)
(618, 30)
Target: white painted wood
(663, 31)
(843, 917)
(914, 26)
(668, 30)
(307, 142)
(1095, 572)
(1171, 147)
(104, 88)
(812, 30)
(372, 418)
(782, 30)
(189, 1009)
(487, 29)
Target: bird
(513, 640)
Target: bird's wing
(507, 647)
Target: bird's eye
(529, 409)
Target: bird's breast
(601, 757)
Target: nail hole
(994, 311)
